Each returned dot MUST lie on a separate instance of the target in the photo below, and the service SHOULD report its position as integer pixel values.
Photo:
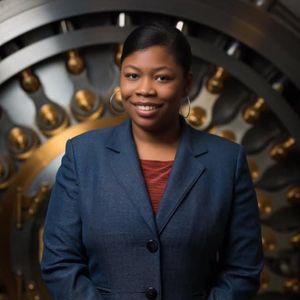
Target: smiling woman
(155, 81)
(153, 87)
(166, 212)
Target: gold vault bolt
(281, 150)
(264, 204)
(264, 279)
(22, 142)
(75, 63)
(32, 291)
(292, 286)
(197, 116)
(293, 195)
(52, 119)
(87, 106)
(29, 81)
(252, 113)
(225, 133)
(254, 170)
(18, 138)
(118, 54)
(268, 241)
(49, 115)
(228, 134)
(85, 100)
(216, 83)
(295, 240)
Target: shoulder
(217, 153)
(213, 142)
(94, 139)
(92, 136)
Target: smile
(147, 106)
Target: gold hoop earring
(116, 107)
(189, 108)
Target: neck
(168, 135)
(159, 144)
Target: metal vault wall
(58, 67)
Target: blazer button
(151, 293)
(152, 246)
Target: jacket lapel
(126, 168)
(186, 170)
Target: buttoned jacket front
(102, 240)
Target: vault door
(59, 67)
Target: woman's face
(153, 86)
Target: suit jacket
(102, 240)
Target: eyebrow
(155, 69)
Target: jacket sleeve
(241, 256)
(64, 263)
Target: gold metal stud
(264, 280)
(215, 84)
(293, 195)
(253, 112)
(52, 119)
(281, 150)
(22, 142)
(197, 116)
(295, 240)
(29, 81)
(87, 106)
(292, 286)
(118, 54)
(75, 63)
(254, 169)
(264, 204)
(268, 241)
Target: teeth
(146, 107)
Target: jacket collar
(186, 170)
(122, 138)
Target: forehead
(152, 57)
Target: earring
(189, 108)
(116, 106)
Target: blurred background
(59, 65)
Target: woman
(153, 209)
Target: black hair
(160, 34)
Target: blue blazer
(102, 241)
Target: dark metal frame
(251, 26)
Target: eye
(163, 78)
(132, 76)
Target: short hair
(160, 34)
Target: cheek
(126, 89)
(171, 94)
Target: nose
(145, 88)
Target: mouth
(147, 106)
(147, 109)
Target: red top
(156, 174)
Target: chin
(148, 124)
